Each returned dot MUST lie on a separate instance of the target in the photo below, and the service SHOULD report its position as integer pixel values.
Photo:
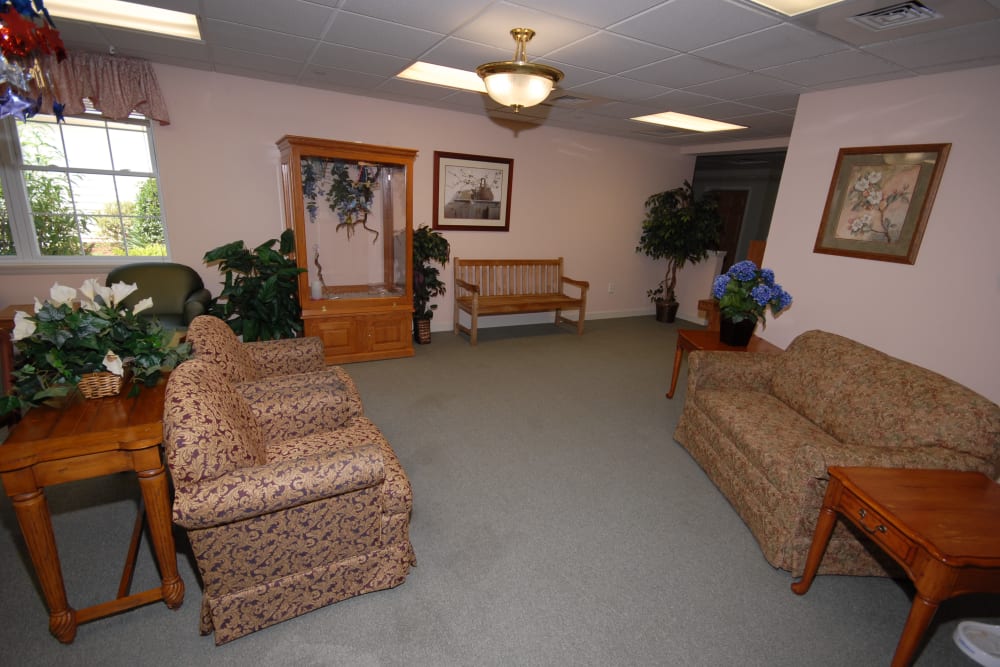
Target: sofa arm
(752, 371)
(196, 304)
(817, 461)
(248, 492)
(286, 356)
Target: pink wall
(575, 195)
(942, 312)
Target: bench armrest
(584, 285)
(467, 285)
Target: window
(80, 189)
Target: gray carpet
(555, 522)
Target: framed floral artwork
(472, 192)
(879, 201)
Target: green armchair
(178, 293)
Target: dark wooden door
(732, 205)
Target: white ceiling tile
(493, 27)
(835, 20)
(686, 25)
(463, 54)
(744, 85)
(412, 89)
(256, 40)
(257, 62)
(357, 60)
(333, 78)
(857, 81)
(844, 66)
(777, 102)
(187, 6)
(598, 13)
(437, 16)
(773, 46)
(609, 53)
(395, 39)
(574, 76)
(682, 71)
(619, 88)
(724, 110)
(295, 18)
(681, 100)
(980, 40)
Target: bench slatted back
(504, 277)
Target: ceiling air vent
(894, 16)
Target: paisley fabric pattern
(291, 498)
(212, 339)
(765, 428)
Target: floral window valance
(115, 85)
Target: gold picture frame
(879, 201)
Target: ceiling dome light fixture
(517, 83)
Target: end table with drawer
(939, 525)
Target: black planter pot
(666, 312)
(737, 334)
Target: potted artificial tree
(679, 228)
(428, 246)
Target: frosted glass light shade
(517, 83)
(518, 89)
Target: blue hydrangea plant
(745, 292)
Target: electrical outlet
(611, 288)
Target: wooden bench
(512, 286)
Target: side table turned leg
(821, 538)
(677, 369)
(156, 496)
(36, 526)
(921, 613)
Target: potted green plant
(745, 292)
(679, 228)
(259, 298)
(83, 338)
(429, 247)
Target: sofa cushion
(398, 496)
(766, 431)
(212, 339)
(862, 396)
(209, 429)
(290, 406)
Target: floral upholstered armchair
(284, 516)
(280, 379)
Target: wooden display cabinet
(351, 208)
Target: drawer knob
(880, 528)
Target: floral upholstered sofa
(765, 427)
(291, 499)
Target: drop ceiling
(728, 60)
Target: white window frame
(28, 258)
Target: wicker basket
(100, 385)
(422, 331)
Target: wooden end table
(81, 440)
(939, 525)
(698, 339)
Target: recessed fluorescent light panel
(794, 7)
(443, 76)
(685, 122)
(128, 15)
